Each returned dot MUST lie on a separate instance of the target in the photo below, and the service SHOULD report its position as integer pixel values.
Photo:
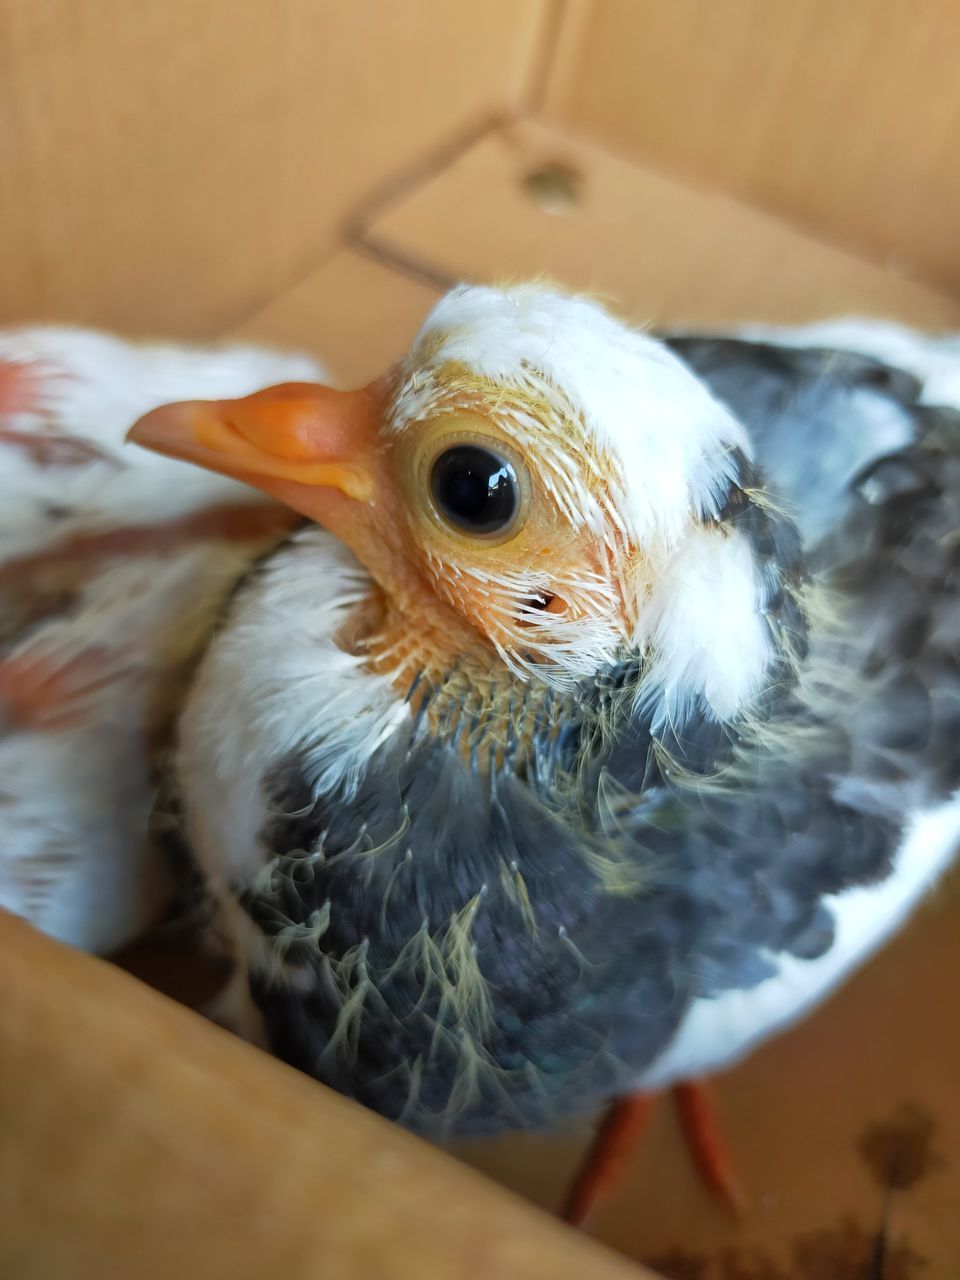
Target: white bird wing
(113, 564)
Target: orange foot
(621, 1132)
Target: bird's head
(535, 490)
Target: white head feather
(673, 441)
(670, 449)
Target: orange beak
(307, 445)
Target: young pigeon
(113, 565)
(603, 717)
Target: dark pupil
(474, 488)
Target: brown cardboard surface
(355, 314)
(842, 117)
(138, 1140)
(665, 252)
(170, 165)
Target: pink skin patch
(50, 450)
(40, 692)
(26, 387)
(23, 386)
(45, 692)
(238, 523)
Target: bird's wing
(113, 563)
(824, 401)
(862, 446)
(865, 456)
(933, 359)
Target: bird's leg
(705, 1142)
(620, 1134)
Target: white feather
(74, 800)
(704, 623)
(95, 386)
(671, 437)
(277, 685)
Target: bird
(113, 564)
(548, 722)
(600, 718)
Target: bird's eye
(475, 490)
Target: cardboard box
(839, 118)
(316, 175)
(169, 165)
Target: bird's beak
(307, 445)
